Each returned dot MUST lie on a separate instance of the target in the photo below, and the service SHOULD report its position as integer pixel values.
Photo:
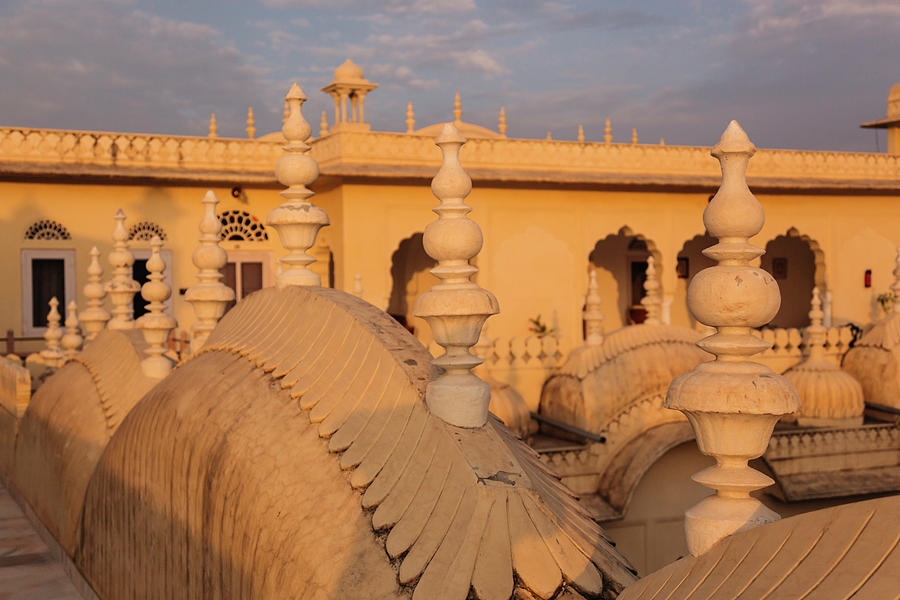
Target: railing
(788, 348)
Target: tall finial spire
(121, 288)
(581, 134)
(549, 137)
(731, 402)
(251, 124)
(213, 129)
(652, 300)
(297, 220)
(593, 318)
(323, 124)
(156, 324)
(52, 355)
(410, 118)
(662, 141)
(357, 285)
(457, 111)
(607, 132)
(208, 296)
(95, 316)
(456, 308)
(72, 341)
(634, 138)
(501, 122)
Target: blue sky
(796, 74)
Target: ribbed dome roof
(348, 71)
(827, 393)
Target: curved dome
(509, 406)
(874, 360)
(468, 130)
(348, 71)
(828, 395)
(893, 103)
(67, 426)
(296, 453)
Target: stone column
(593, 318)
(156, 324)
(297, 220)
(94, 317)
(121, 288)
(731, 402)
(456, 308)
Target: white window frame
(166, 255)
(242, 256)
(27, 255)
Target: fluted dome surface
(874, 360)
(348, 71)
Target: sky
(796, 74)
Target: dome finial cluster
(213, 128)
(501, 122)
(829, 396)
(209, 296)
(732, 403)
(156, 324)
(410, 118)
(457, 110)
(456, 308)
(607, 132)
(94, 317)
(593, 318)
(297, 220)
(71, 342)
(121, 288)
(581, 134)
(251, 124)
(652, 300)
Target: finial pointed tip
(449, 133)
(94, 251)
(120, 214)
(295, 93)
(210, 197)
(734, 139)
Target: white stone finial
(581, 134)
(456, 308)
(94, 318)
(634, 138)
(549, 137)
(457, 110)
(607, 132)
(826, 308)
(52, 355)
(410, 118)
(71, 342)
(501, 122)
(662, 141)
(652, 300)
(357, 285)
(895, 285)
(251, 123)
(323, 124)
(213, 129)
(297, 221)
(829, 396)
(732, 403)
(121, 288)
(593, 318)
(156, 324)
(209, 296)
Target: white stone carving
(121, 288)
(94, 317)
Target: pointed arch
(47, 229)
(797, 263)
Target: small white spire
(94, 317)
(581, 134)
(593, 318)
(549, 137)
(251, 124)
(634, 138)
(457, 111)
(72, 341)
(297, 220)
(52, 355)
(607, 132)
(732, 403)
(323, 124)
(357, 285)
(501, 122)
(155, 325)
(209, 296)
(652, 300)
(213, 129)
(456, 308)
(410, 118)
(121, 288)
(662, 141)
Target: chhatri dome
(348, 71)
(891, 121)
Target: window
(47, 229)
(139, 273)
(241, 226)
(247, 271)
(144, 231)
(45, 274)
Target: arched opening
(797, 264)
(621, 263)
(410, 277)
(689, 262)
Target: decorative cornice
(48, 153)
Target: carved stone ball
(209, 257)
(737, 296)
(448, 239)
(296, 169)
